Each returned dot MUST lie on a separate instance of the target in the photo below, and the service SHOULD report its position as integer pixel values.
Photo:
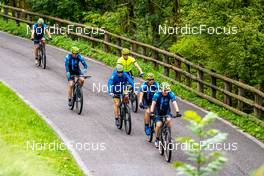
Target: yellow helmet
(165, 86)
(125, 51)
(75, 50)
(150, 76)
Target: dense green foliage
(239, 55)
(23, 134)
(199, 149)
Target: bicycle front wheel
(167, 143)
(43, 58)
(134, 102)
(122, 112)
(151, 125)
(79, 100)
(127, 118)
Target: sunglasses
(150, 79)
(120, 72)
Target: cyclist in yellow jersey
(128, 61)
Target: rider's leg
(169, 122)
(146, 116)
(36, 50)
(116, 107)
(157, 130)
(69, 89)
(81, 81)
(43, 41)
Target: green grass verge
(244, 123)
(20, 128)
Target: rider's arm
(138, 67)
(67, 63)
(33, 31)
(153, 104)
(83, 62)
(110, 84)
(173, 100)
(141, 92)
(154, 100)
(130, 80)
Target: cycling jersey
(117, 84)
(39, 31)
(127, 63)
(163, 103)
(148, 92)
(72, 64)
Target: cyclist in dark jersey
(161, 106)
(37, 35)
(147, 90)
(72, 66)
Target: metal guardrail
(234, 95)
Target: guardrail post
(118, 43)
(213, 83)
(17, 14)
(166, 69)
(200, 76)
(177, 74)
(106, 39)
(155, 57)
(227, 87)
(188, 79)
(144, 53)
(258, 100)
(241, 92)
(5, 13)
(134, 48)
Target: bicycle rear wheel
(127, 120)
(79, 100)
(43, 58)
(167, 151)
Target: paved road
(111, 151)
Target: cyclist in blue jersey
(161, 106)
(72, 67)
(147, 90)
(37, 35)
(116, 85)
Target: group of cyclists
(153, 97)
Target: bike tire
(44, 59)
(167, 152)
(73, 99)
(127, 120)
(161, 148)
(39, 57)
(134, 103)
(79, 100)
(150, 137)
(121, 118)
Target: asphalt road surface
(105, 149)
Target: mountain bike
(77, 99)
(42, 59)
(125, 114)
(165, 137)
